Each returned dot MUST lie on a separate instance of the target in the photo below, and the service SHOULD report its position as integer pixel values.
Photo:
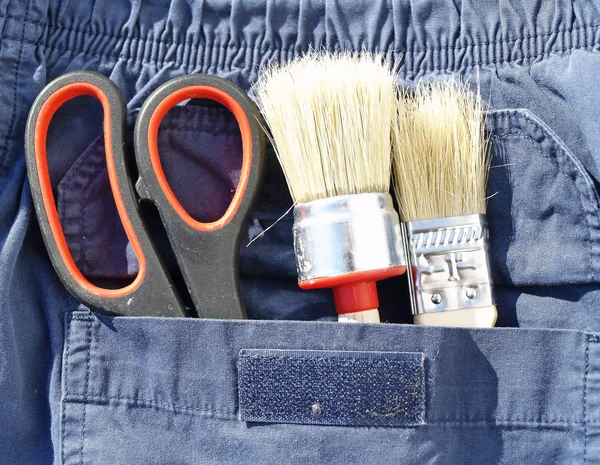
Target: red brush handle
(354, 292)
(356, 297)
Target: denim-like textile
(78, 387)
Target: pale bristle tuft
(330, 118)
(440, 155)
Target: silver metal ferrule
(346, 234)
(450, 265)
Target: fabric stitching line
(66, 389)
(55, 27)
(180, 62)
(100, 162)
(125, 57)
(535, 146)
(574, 164)
(13, 116)
(504, 61)
(539, 421)
(167, 43)
(487, 44)
(91, 168)
(550, 137)
(175, 407)
(245, 46)
(585, 381)
(82, 225)
(145, 403)
(410, 71)
(87, 382)
(500, 422)
(503, 41)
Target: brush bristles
(330, 118)
(440, 155)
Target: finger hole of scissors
(46, 113)
(223, 98)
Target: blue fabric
(147, 390)
(83, 388)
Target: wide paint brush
(330, 118)
(441, 165)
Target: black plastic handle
(152, 292)
(207, 253)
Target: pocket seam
(535, 145)
(228, 415)
(87, 382)
(576, 173)
(148, 403)
(65, 384)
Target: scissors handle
(207, 253)
(151, 293)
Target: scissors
(207, 253)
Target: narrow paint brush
(330, 118)
(440, 165)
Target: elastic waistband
(428, 36)
(505, 376)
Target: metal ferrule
(346, 234)
(450, 266)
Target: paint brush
(440, 165)
(330, 119)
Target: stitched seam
(245, 47)
(535, 146)
(520, 58)
(585, 382)
(13, 116)
(87, 382)
(55, 27)
(182, 61)
(537, 421)
(590, 194)
(82, 252)
(100, 163)
(550, 138)
(500, 422)
(66, 384)
(91, 173)
(175, 408)
(140, 402)
(178, 62)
